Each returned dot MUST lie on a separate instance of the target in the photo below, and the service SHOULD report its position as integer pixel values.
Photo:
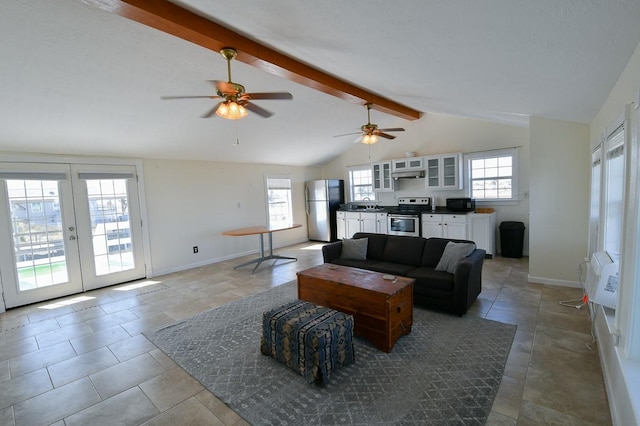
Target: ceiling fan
(235, 101)
(370, 131)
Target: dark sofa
(417, 257)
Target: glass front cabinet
(382, 180)
(443, 171)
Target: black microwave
(461, 204)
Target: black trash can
(511, 239)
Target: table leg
(262, 257)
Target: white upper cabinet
(409, 163)
(443, 171)
(382, 181)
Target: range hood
(409, 174)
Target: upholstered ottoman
(310, 339)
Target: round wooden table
(260, 231)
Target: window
(594, 218)
(361, 183)
(279, 202)
(493, 175)
(614, 192)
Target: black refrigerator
(323, 199)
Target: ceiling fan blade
(269, 95)
(258, 110)
(212, 111)
(383, 135)
(190, 97)
(393, 129)
(347, 134)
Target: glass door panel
(108, 215)
(39, 259)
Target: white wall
(560, 167)
(440, 134)
(190, 203)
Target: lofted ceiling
(77, 79)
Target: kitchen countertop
(386, 209)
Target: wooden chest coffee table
(382, 309)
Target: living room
(190, 202)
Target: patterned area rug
(447, 371)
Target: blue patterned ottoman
(310, 339)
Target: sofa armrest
(468, 281)
(331, 251)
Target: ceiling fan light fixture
(369, 139)
(231, 110)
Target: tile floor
(82, 359)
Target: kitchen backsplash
(415, 188)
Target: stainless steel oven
(403, 224)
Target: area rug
(447, 371)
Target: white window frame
(279, 182)
(352, 186)
(494, 153)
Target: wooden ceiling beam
(175, 20)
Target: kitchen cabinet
(482, 230)
(409, 163)
(444, 171)
(341, 225)
(444, 226)
(359, 222)
(382, 181)
(381, 223)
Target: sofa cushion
(354, 249)
(454, 253)
(376, 245)
(439, 280)
(362, 264)
(391, 268)
(403, 250)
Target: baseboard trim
(553, 281)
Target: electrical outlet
(195, 249)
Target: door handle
(73, 237)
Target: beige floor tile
(111, 320)
(170, 388)
(16, 348)
(163, 359)
(145, 324)
(509, 397)
(125, 375)
(80, 366)
(534, 415)
(56, 404)
(567, 394)
(130, 407)
(561, 338)
(189, 412)
(525, 319)
(5, 371)
(30, 330)
(219, 408)
(497, 419)
(121, 305)
(131, 347)
(80, 316)
(6, 417)
(24, 387)
(41, 358)
(42, 312)
(62, 334)
(99, 339)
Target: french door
(67, 228)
